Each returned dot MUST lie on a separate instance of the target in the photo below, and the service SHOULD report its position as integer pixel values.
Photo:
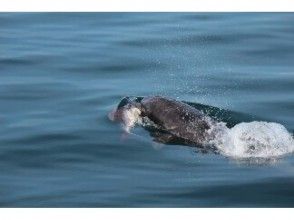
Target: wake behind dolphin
(172, 121)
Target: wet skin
(176, 121)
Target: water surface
(61, 73)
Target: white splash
(253, 140)
(130, 117)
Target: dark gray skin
(175, 119)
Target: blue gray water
(60, 75)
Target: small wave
(255, 139)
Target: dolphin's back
(176, 117)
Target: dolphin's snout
(125, 106)
(127, 112)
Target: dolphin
(174, 120)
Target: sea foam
(257, 139)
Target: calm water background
(60, 74)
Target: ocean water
(62, 73)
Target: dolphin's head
(127, 112)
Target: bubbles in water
(254, 139)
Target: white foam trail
(253, 140)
